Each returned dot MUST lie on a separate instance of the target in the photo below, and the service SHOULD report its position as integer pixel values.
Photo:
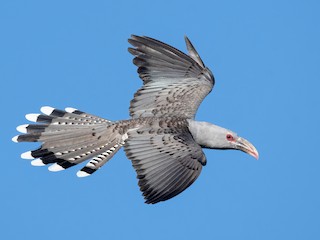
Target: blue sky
(265, 57)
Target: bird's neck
(207, 135)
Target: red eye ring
(229, 137)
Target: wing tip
(134, 37)
(186, 38)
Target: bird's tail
(70, 137)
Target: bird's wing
(166, 158)
(174, 83)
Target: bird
(161, 138)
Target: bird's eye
(230, 137)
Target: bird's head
(212, 136)
(235, 142)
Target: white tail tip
(47, 110)
(22, 128)
(82, 174)
(70, 109)
(37, 163)
(32, 117)
(15, 139)
(55, 168)
(27, 155)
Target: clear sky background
(265, 56)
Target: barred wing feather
(167, 159)
(174, 83)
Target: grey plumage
(174, 83)
(162, 139)
(165, 157)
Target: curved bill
(245, 146)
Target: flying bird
(162, 138)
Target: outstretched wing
(166, 158)
(174, 83)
